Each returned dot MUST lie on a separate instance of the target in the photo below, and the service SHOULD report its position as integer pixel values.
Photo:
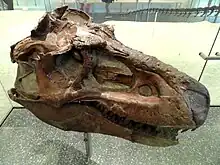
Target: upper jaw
(195, 114)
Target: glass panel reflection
(102, 10)
(27, 140)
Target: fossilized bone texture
(75, 75)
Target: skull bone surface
(75, 75)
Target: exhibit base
(27, 140)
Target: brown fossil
(75, 75)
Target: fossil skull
(75, 75)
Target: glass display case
(181, 33)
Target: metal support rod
(209, 58)
(88, 146)
(200, 76)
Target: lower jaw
(118, 132)
(154, 141)
(146, 135)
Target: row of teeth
(130, 124)
(123, 121)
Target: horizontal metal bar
(6, 117)
(209, 57)
(214, 106)
(18, 108)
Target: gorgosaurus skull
(75, 75)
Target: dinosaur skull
(75, 75)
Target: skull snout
(198, 101)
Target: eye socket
(146, 90)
